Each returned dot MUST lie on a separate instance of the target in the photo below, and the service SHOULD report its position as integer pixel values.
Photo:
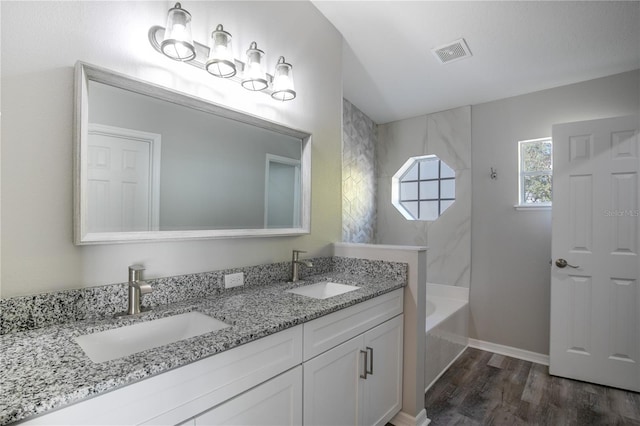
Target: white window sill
(528, 207)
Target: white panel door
(332, 386)
(383, 385)
(122, 180)
(277, 402)
(595, 299)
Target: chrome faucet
(136, 289)
(295, 264)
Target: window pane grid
(420, 206)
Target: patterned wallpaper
(359, 187)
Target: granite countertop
(44, 369)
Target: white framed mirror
(153, 164)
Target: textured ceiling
(518, 47)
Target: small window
(424, 188)
(535, 166)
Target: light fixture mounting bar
(156, 35)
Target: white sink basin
(123, 341)
(323, 290)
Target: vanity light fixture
(177, 43)
(283, 81)
(254, 78)
(220, 61)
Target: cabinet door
(383, 387)
(332, 386)
(276, 402)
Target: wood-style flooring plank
(482, 388)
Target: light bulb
(178, 43)
(221, 62)
(283, 81)
(254, 78)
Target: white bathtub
(447, 328)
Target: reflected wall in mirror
(154, 164)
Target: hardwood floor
(483, 388)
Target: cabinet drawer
(236, 371)
(330, 330)
(174, 396)
(276, 402)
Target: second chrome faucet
(295, 264)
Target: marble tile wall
(359, 135)
(446, 134)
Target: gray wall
(41, 42)
(446, 134)
(511, 249)
(359, 186)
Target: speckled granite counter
(44, 369)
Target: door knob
(561, 263)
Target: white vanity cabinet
(357, 381)
(305, 375)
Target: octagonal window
(423, 188)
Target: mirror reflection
(158, 167)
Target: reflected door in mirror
(282, 207)
(120, 180)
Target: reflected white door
(282, 192)
(595, 299)
(122, 180)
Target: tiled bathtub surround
(447, 326)
(446, 134)
(42, 310)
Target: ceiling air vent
(453, 51)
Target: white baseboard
(510, 351)
(444, 370)
(404, 419)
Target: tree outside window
(536, 171)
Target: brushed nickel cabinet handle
(370, 351)
(364, 365)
